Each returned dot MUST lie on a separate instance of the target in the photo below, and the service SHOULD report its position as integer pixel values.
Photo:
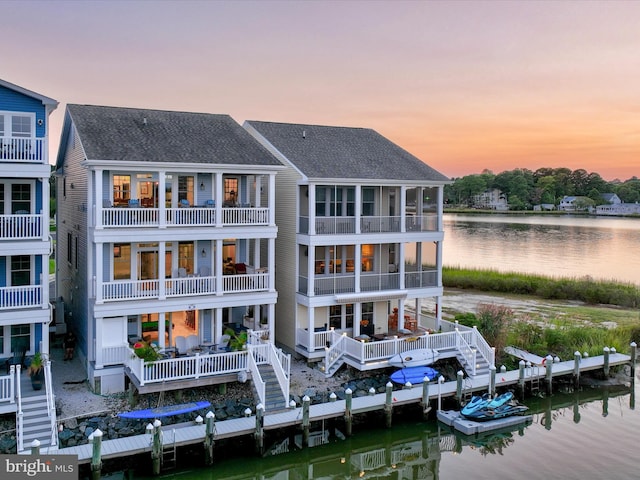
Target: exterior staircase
(274, 398)
(36, 423)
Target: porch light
(201, 184)
(203, 253)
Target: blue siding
(39, 197)
(37, 334)
(3, 271)
(13, 101)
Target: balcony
(26, 296)
(22, 150)
(122, 290)
(124, 217)
(20, 226)
(369, 282)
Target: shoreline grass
(584, 289)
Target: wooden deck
(188, 434)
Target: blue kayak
(165, 411)
(414, 375)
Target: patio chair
(184, 203)
(210, 204)
(224, 343)
(18, 357)
(134, 203)
(204, 271)
(181, 345)
(192, 342)
(241, 268)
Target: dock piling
(208, 437)
(348, 419)
(96, 460)
(426, 407)
(440, 382)
(259, 433)
(521, 378)
(388, 404)
(492, 380)
(459, 378)
(306, 401)
(156, 447)
(35, 447)
(548, 363)
(605, 368)
(576, 368)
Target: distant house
(544, 207)
(619, 209)
(574, 203)
(492, 199)
(611, 198)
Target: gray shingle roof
(344, 152)
(140, 135)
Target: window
(366, 321)
(185, 189)
(21, 126)
(335, 316)
(185, 256)
(368, 202)
(368, 252)
(231, 190)
(69, 247)
(122, 261)
(20, 270)
(1, 328)
(20, 336)
(20, 198)
(121, 189)
(2, 202)
(321, 197)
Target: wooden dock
(189, 434)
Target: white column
(218, 196)
(95, 206)
(358, 265)
(272, 265)
(312, 321)
(44, 213)
(358, 208)
(162, 199)
(312, 209)
(440, 208)
(311, 268)
(400, 260)
(217, 272)
(98, 278)
(272, 200)
(357, 316)
(258, 191)
(161, 330)
(271, 322)
(403, 209)
(217, 331)
(162, 285)
(98, 344)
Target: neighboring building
(611, 198)
(571, 203)
(360, 234)
(620, 209)
(492, 199)
(544, 207)
(25, 244)
(166, 233)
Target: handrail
(281, 364)
(258, 382)
(20, 413)
(468, 353)
(51, 403)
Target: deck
(188, 434)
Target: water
(602, 248)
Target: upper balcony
(24, 296)
(23, 150)
(369, 282)
(197, 216)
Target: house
(359, 241)
(25, 244)
(166, 237)
(573, 203)
(491, 199)
(618, 209)
(611, 198)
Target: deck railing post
(259, 433)
(521, 377)
(156, 448)
(492, 380)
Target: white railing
(380, 224)
(129, 217)
(320, 339)
(20, 297)
(335, 225)
(281, 363)
(334, 354)
(19, 412)
(245, 216)
(377, 282)
(258, 383)
(196, 216)
(130, 289)
(486, 350)
(463, 344)
(425, 278)
(112, 355)
(51, 403)
(197, 366)
(371, 460)
(334, 284)
(20, 226)
(27, 150)
(7, 386)
(246, 282)
(179, 287)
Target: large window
(366, 321)
(185, 189)
(335, 201)
(341, 316)
(122, 261)
(335, 259)
(21, 126)
(368, 254)
(185, 259)
(368, 202)
(230, 191)
(20, 198)
(20, 337)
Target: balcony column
(311, 329)
(311, 262)
(357, 267)
(161, 330)
(44, 213)
(358, 209)
(272, 200)
(217, 312)
(218, 196)
(218, 273)
(403, 209)
(438, 312)
(257, 195)
(401, 248)
(44, 282)
(271, 264)
(271, 315)
(99, 274)
(98, 344)
(97, 203)
(440, 207)
(357, 318)
(312, 209)
(162, 268)
(162, 199)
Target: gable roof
(325, 152)
(29, 93)
(141, 135)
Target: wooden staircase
(36, 423)
(274, 398)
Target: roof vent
(144, 120)
(304, 134)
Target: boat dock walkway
(189, 434)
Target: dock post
(208, 437)
(605, 367)
(548, 363)
(96, 460)
(492, 380)
(426, 407)
(634, 354)
(521, 377)
(347, 412)
(388, 405)
(259, 433)
(306, 401)
(577, 356)
(35, 447)
(333, 397)
(156, 447)
(440, 382)
(459, 378)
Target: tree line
(525, 188)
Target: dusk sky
(463, 85)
